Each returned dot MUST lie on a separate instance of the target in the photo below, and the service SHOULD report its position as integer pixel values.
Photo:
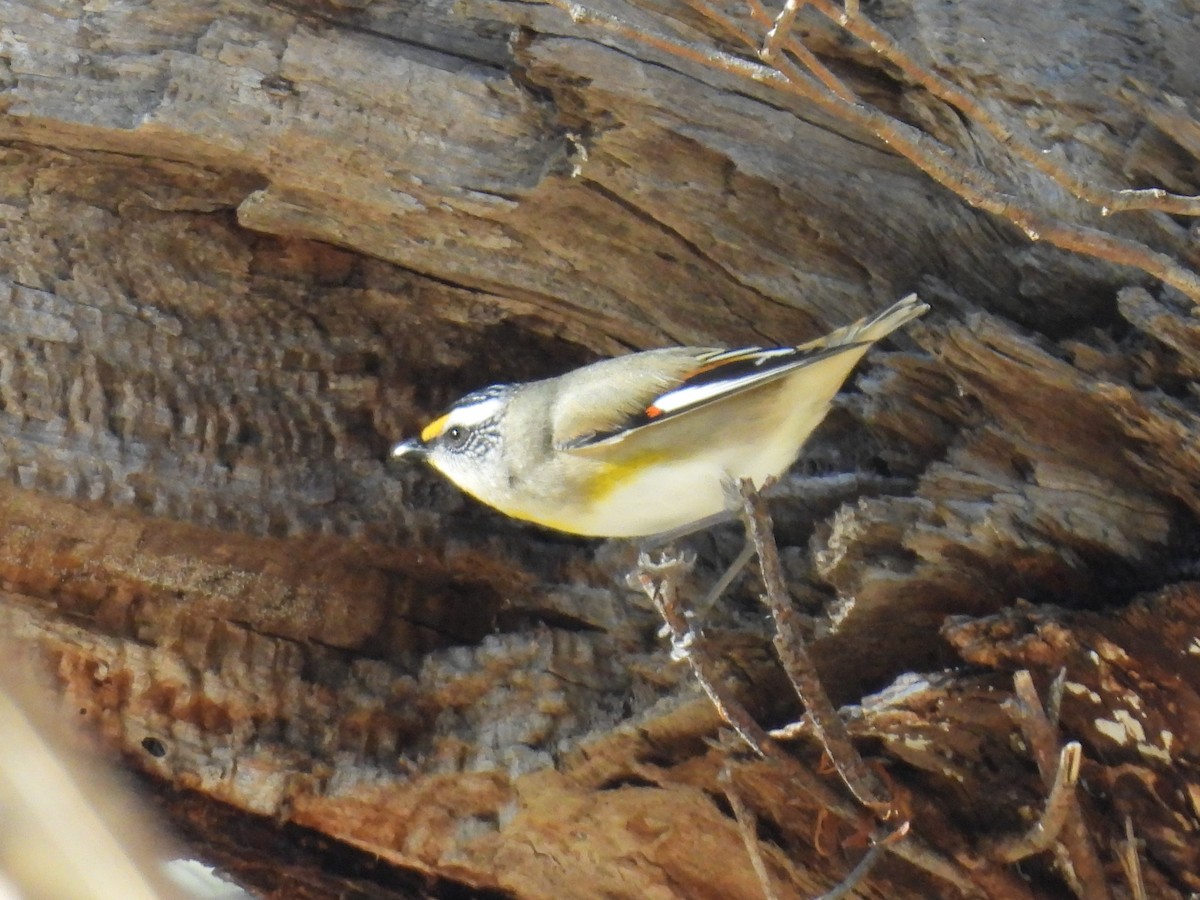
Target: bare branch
(1059, 803)
(1108, 201)
(1026, 711)
(780, 30)
(1042, 738)
(1054, 697)
(856, 874)
(664, 595)
(798, 664)
(795, 47)
(660, 581)
(976, 186)
(747, 824)
(1131, 862)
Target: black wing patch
(722, 374)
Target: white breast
(670, 496)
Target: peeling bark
(247, 246)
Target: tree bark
(247, 246)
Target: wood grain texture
(246, 246)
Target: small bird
(647, 444)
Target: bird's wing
(870, 329)
(613, 399)
(686, 379)
(607, 396)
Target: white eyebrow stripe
(474, 413)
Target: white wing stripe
(747, 352)
(677, 399)
(692, 394)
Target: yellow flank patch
(527, 516)
(594, 490)
(613, 475)
(544, 521)
(434, 428)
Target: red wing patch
(725, 373)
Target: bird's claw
(668, 564)
(681, 646)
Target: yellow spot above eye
(433, 429)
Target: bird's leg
(733, 505)
(670, 557)
(722, 584)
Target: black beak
(413, 449)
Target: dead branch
(856, 874)
(1042, 738)
(660, 582)
(1109, 201)
(798, 664)
(1044, 832)
(1131, 862)
(747, 824)
(977, 187)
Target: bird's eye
(455, 436)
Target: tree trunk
(248, 246)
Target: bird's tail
(873, 328)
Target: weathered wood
(246, 246)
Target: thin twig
(660, 582)
(1131, 862)
(859, 871)
(1108, 201)
(747, 824)
(856, 874)
(919, 854)
(1059, 803)
(912, 849)
(780, 30)
(759, 13)
(977, 187)
(1039, 734)
(1042, 738)
(794, 46)
(748, 828)
(1054, 697)
(798, 665)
